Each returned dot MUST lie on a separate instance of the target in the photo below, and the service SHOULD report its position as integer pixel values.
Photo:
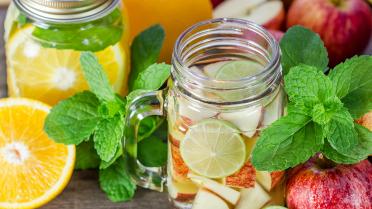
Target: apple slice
(270, 14)
(366, 120)
(230, 195)
(277, 195)
(253, 198)
(182, 191)
(244, 178)
(247, 120)
(274, 110)
(179, 168)
(207, 200)
(269, 179)
(235, 8)
(193, 113)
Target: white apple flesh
(247, 120)
(207, 200)
(230, 195)
(269, 14)
(253, 198)
(269, 179)
(274, 110)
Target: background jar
(208, 89)
(44, 40)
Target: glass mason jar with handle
(44, 39)
(226, 86)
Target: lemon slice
(34, 169)
(236, 70)
(213, 148)
(50, 75)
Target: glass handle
(148, 104)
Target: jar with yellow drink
(44, 40)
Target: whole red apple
(321, 184)
(216, 2)
(345, 26)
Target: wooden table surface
(83, 191)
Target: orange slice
(34, 169)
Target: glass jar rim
(273, 62)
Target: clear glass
(226, 86)
(43, 58)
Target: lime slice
(213, 148)
(236, 70)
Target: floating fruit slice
(34, 169)
(236, 70)
(269, 179)
(253, 198)
(180, 169)
(182, 191)
(213, 148)
(50, 75)
(230, 195)
(244, 178)
(207, 200)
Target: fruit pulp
(210, 148)
(50, 71)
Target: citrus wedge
(34, 169)
(50, 75)
(213, 148)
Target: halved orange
(50, 75)
(33, 168)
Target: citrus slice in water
(34, 169)
(213, 148)
(49, 74)
(236, 70)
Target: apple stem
(324, 163)
(337, 3)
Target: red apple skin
(345, 30)
(277, 22)
(215, 3)
(278, 35)
(340, 187)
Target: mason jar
(226, 86)
(44, 40)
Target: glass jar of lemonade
(226, 86)
(44, 39)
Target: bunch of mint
(94, 120)
(321, 109)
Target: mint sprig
(94, 120)
(321, 108)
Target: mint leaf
(304, 84)
(86, 156)
(364, 139)
(153, 77)
(145, 51)
(353, 82)
(118, 154)
(109, 109)
(289, 141)
(335, 156)
(73, 120)
(96, 77)
(92, 36)
(340, 132)
(107, 137)
(152, 152)
(148, 126)
(116, 182)
(302, 46)
(22, 19)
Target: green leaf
(302, 46)
(22, 19)
(96, 77)
(152, 152)
(148, 126)
(340, 132)
(289, 141)
(116, 182)
(109, 109)
(364, 139)
(92, 36)
(118, 154)
(304, 84)
(353, 82)
(86, 156)
(73, 120)
(153, 77)
(145, 51)
(335, 156)
(107, 137)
